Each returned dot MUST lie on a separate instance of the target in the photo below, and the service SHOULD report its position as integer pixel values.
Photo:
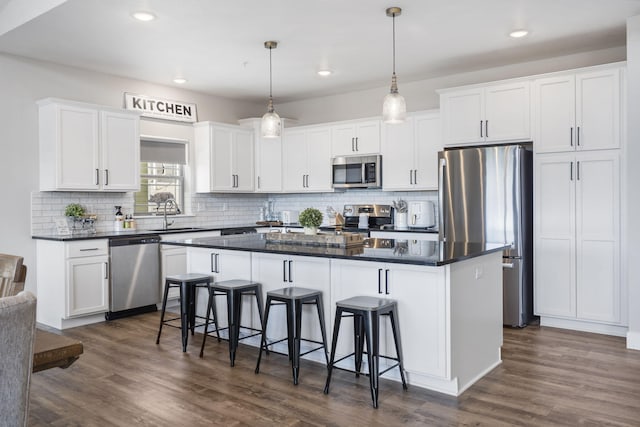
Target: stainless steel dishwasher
(134, 279)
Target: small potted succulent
(310, 219)
(74, 212)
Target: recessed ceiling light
(325, 73)
(144, 16)
(179, 80)
(516, 34)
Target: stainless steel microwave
(357, 171)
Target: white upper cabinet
(306, 159)
(577, 111)
(487, 114)
(410, 152)
(88, 148)
(224, 158)
(357, 137)
(268, 159)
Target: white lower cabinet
(421, 296)
(577, 240)
(73, 279)
(222, 265)
(276, 271)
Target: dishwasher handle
(128, 241)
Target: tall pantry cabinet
(577, 122)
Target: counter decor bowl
(310, 219)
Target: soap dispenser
(118, 224)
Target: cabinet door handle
(213, 270)
(578, 171)
(217, 263)
(410, 176)
(379, 281)
(284, 270)
(571, 172)
(415, 176)
(258, 182)
(481, 129)
(106, 270)
(357, 149)
(578, 136)
(571, 136)
(290, 278)
(353, 146)
(386, 281)
(106, 177)
(97, 176)
(486, 128)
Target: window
(161, 177)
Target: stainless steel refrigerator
(486, 195)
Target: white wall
(631, 250)
(24, 81)
(421, 95)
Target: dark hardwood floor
(548, 377)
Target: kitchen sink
(169, 230)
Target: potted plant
(310, 219)
(74, 212)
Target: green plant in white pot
(310, 219)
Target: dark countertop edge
(141, 232)
(347, 257)
(136, 233)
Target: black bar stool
(366, 312)
(294, 298)
(188, 284)
(233, 290)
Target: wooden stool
(233, 290)
(188, 284)
(294, 298)
(366, 312)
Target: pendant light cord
(394, 44)
(270, 73)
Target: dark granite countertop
(131, 233)
(417, 252)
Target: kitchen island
(449, 296)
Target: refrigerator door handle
(441, 168)
(507, 265)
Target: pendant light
(394, 109)
(271, 125)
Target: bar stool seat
(233, 290)
(188, 284)
(366, 312)
(294, 298)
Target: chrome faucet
(167, 223)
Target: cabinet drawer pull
(89, 249)
(386, 281)
(379, 281)
(571, 136)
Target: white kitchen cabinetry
(73, 282)
(223, 158)
(354, 138)
(281, 271)
(577, 239)
(306, 159)
(221, 265)
(578, 111)
(173, 259)
(268, 159)
(88, 148)
(486, 114)
(422, 325)
(410, 153)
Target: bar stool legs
(294, 299)
(188, 284)
(366, 312)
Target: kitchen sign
(159, 108)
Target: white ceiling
(218, 45)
